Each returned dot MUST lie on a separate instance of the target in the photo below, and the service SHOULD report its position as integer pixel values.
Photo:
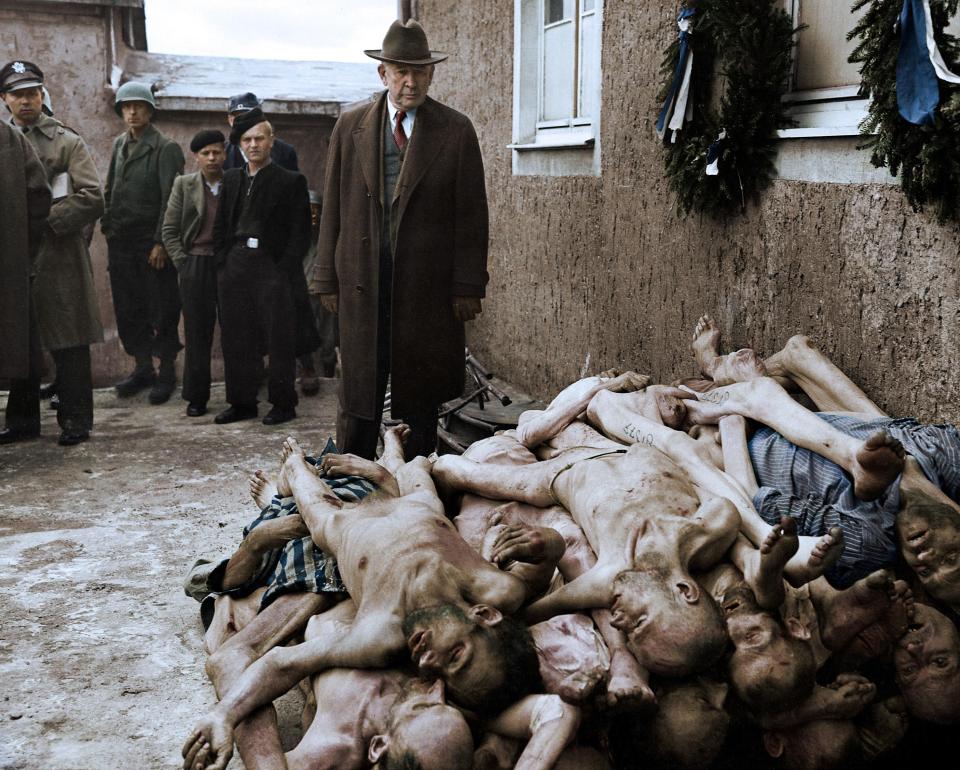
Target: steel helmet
(134, 92)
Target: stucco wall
(71, 45)
(602, 267)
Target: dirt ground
(101, 663)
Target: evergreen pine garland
(749, 43)
(926, 158)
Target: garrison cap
(20, 74)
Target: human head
(406, 67)
(136, 104)
(772, 667)
(423, 733)
(690, 724)
(208, 151)
(927, 663)
(672, 627)
(826, 744)
(929, 532)
(241, 103)
(487, 661)
(253, 132)
(21, 83)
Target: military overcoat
(63, 290)
(24, 204)
(440, 229)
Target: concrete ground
(101, 663)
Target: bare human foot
(844, 614)
(739, 366)
(883, 632)
(877, 463)
(290, 454)
(764, 575)
(706, 344)
(815, 557)
(627, 687)
(262, 489)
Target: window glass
(557, 10)
(558, 72)
(589, 96)
(823, 48)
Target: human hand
(627, 382)
(158, 257)
(209, 746)
(848, 695)
(331, 302)
(516, 542)
(466, 308)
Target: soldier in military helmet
(146, 297)
(63, 288)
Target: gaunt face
(930, 544)
(136, 115)
(927, 656)
(445, 643)
(437, 734)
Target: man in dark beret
(261, 234)
(283, 154)
(188, 238)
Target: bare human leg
(830, 389)
(873, 464)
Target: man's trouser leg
(273, 298)
(423, 434)
(198, 294)
(239, 330)
(165, 311)
(75, 387)
(130, 284)
(23, 405)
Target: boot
(166, 382)
(142, 377)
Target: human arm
(352, 465)
(546, 722)
(108, 191)
(268, 536)
(590, 590)
(369, 642)
(172, 224)
(571, 402)
(297, 235)
(84, 204)
(736, 452)
(470, 219)
(323, 280)
(466, 308)
(38, 196)
(169, 167)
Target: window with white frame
(557, 78)
(824, 95)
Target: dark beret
(244, 122)
(208, 136)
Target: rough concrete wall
(71, 44)
(602, 267)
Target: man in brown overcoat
(63, 289)
(402, 251)
(24, 205)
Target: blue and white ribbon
(919, 65)
(713, 153)
(678, 108)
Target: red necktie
(398, 134)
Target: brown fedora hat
(406, 44)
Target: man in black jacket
(282, 153)
(261, 234)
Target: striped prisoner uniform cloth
(301, 566)
(819, 494)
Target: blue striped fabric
(300, 565)
(818, 494)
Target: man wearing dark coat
(260, 235)
(282, 153)
(24, 206)
(63, 289)
(402, 251)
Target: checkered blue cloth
(819, 494)
(300, 565)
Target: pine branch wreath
(748, 44)
(926, 158)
